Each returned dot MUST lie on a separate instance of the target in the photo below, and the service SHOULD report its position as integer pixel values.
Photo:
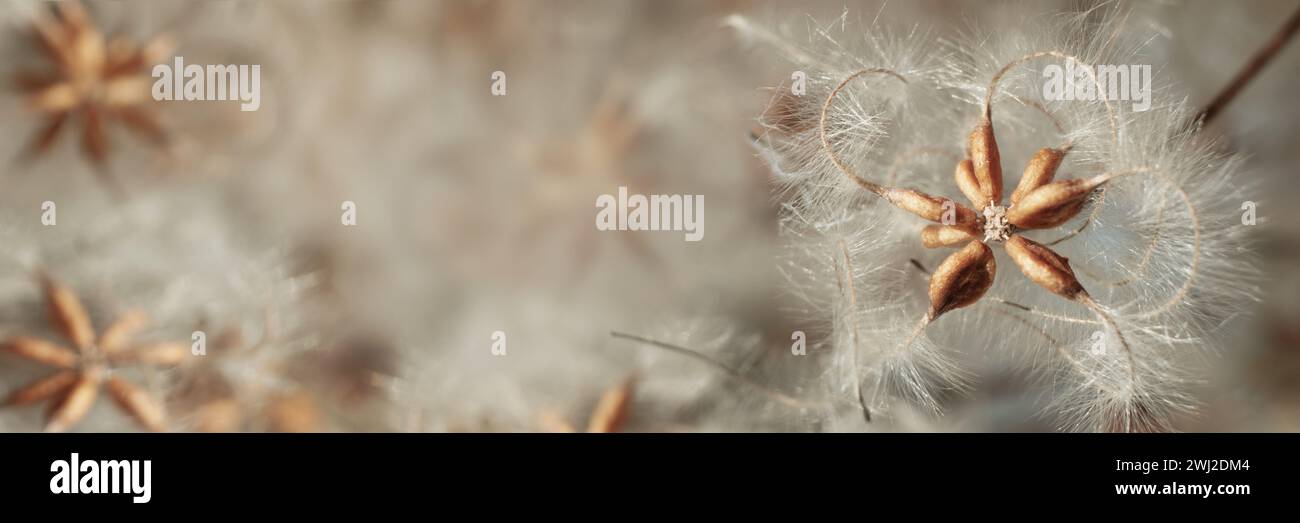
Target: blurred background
(474, 215)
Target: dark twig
(917, 263)
(1252, 69)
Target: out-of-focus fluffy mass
(472, 140)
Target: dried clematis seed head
(969, 185)
(1040, 171)
(962, 278)
(1052, 204)
(987, 162)
(1044, 267)
(945, 236)
(930, 207)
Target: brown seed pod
(987, 162)
(163, 353)
(962, 278)
(77, 403)
(42, 351)
(116, 335)
(69, 316)
(928, 207)
(43, 388)
(969, 185)
(221, 415)
(612, 409)
(1040, 171)
(553, 422)
(945, 236)
(1052, 204)
(136, 402)
(294, 411)
(1044, 267)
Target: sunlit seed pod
(1040, 171)
(56, 98)
(986, 161)
(221, 415)
(612, 409)
(962, 278)
(77, 403)
(1052, 204)
(1044, 267)
(126, 91)
(946, 236)
(120, 332)
(930, 207)
(68, 313)
(90, 53)
(136, 402)
(42, 351)
(164, 353)
(553, 422)
(969, 185)
(294, 411)
(44, 388)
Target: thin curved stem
(821, 128)
(1056, 345)
(1146, 256)
(853, 321)
(1101, 195)
(913, 154)
(1192, 215)
(1042, 314)
(920, 327)
(1056, 122)
(993, 84)
(734, 374)
(1106, 317)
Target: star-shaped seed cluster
(94, 79)
(96, 361)
(1038, 202)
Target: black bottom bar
(462, 471)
